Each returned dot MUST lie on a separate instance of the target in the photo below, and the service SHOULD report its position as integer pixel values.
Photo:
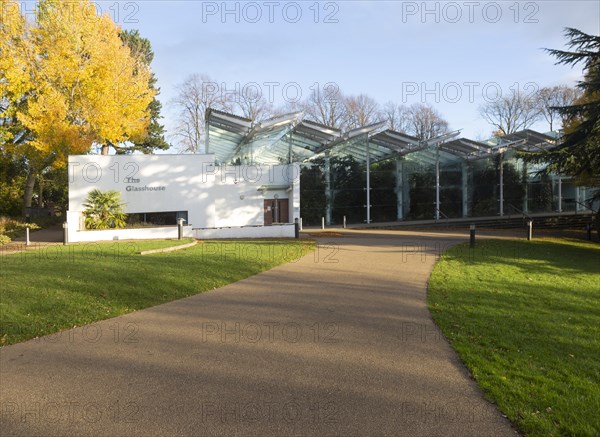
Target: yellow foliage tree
(67, 82)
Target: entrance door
(283, 211)
(276, 211)
(268, 212)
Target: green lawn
(56, 287)
(524, 317)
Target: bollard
(588, 228)
(300, 223)
(27, 242)
(322, 222)
(180, 228)
(472, 236)
(65, 234)
(344, 222)
(529, 230)
(296, 228)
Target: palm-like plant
(104, 210)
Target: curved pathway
(337, 343)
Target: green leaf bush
(104, 210)
(11, 228)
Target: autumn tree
(67, 81)
(155, 134)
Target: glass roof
(290, 138)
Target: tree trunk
(41, 192)
(105, 148)
(29, 186)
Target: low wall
(162, 232)
(274, 231)
(166, 232)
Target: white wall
(214, 196)
(238, 202)
(171, 232)
(275, 231)
(158, 233)
(184, 184)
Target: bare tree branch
(425, 122)
(511, 113)
(551, 98)
(194, 96)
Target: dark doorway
(276, 211)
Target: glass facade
(406, 190)
(374, 174)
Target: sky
(452, 55)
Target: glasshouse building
(374, 174)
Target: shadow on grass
(573, 256)
(525, 319)
(52, 289)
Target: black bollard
(472, 236)
(588, 228)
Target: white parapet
(157, 233)
(275, 231)
(170, 232)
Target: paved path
(338, 343)
(52, 234)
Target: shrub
(11, 228)
(104, 210)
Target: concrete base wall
(161, 233)
(166, 232)
(275, 231)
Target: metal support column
(437, 184)
(525, 206)
(290, 142)
(559, 183)
(465, 188)
(405, 189)
(399, 189)
(328, 196)
(501, 185)
(368, 182)
(206, 137)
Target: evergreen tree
(578, 153)
(155, 138)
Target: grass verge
(58, 287)
(525, 319)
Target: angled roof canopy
(290, 138)
(531, 140)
